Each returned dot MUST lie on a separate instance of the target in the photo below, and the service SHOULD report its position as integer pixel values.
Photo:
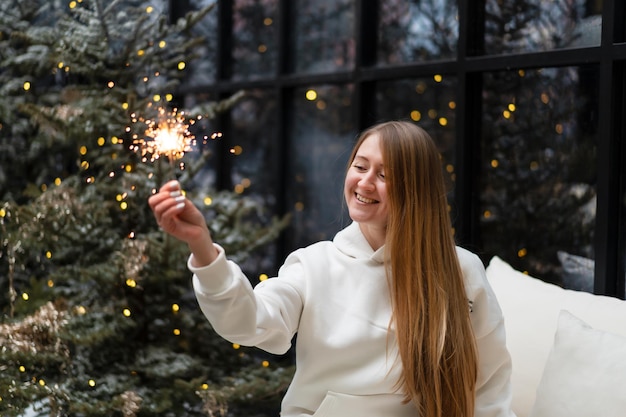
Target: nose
(367, 181)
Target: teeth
(364, 199)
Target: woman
(392, 319)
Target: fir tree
(98, 314)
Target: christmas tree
(98, 316)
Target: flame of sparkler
(167, 136)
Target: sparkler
(166, 136)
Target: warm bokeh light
(311, 95)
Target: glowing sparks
(167, 136)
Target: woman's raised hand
(181, 219)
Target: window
(524, 97)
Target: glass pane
(255, 166)
(323, 35)
(253, 143)
(538, 192)
(417, 30)
(321, 137)
(201, 70)
(537, 25)
(430, 102)
(254, 38)
(249, 151)
(207, 152)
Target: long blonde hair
(430, 308)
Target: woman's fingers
(182, 219)
(171, 186)
(167, 203)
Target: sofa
(568, 348)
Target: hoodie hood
(351, 242)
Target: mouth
(365, 200)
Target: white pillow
(585, 374)
(531, 308)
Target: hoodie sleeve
(493, 387)
(266, 316)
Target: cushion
(531, 308)
(585, 374)
(578, 271)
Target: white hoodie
(334, 295)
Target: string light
(558, 128)
(311, 95)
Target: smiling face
(365, 190)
